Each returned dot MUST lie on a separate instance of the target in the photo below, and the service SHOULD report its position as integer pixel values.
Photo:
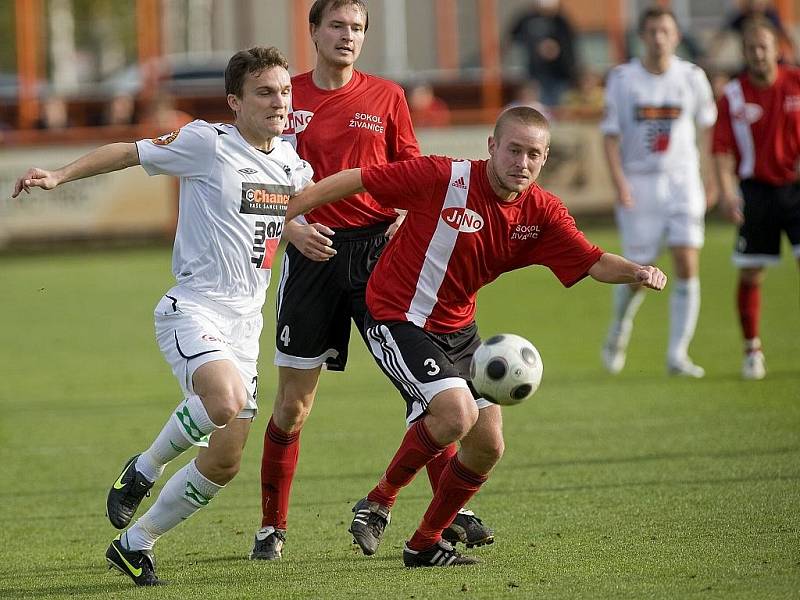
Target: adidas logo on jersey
(459, 183)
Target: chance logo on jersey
(265, 199)
(659, 126)
(463, 219)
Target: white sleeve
(610, 125)
(706, 112)
(187, 152)
(302, 174)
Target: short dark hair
(252, 61)
(656, 12)
(521, 114)
(320, 6)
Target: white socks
(184, 494)
(684, 309)
(188, 425)
(625, 306)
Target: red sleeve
(400, 139)
(409, 184)
(723, 141)
(565, 250)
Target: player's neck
(331, 77)
(763, 79)
(657, 65)
(253, 139)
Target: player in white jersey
(236, 181)
(653, 108)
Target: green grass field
(636, 486)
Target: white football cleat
(686, 368)
(613, 358)
(753, 366)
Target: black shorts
(317, 300)
(768, 210)
(420, 363)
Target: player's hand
(312, 241)
(34, 177)
(396, 225)
(651, 277)
(625, 198)
(732, 210)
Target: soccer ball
(506, 369)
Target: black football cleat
(441, 554)
(139, 565)
(268, 544)
(469, 530)
(126, 494)
(369, 522)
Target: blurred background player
(757, 139)
(754, 9)
(208, 325)
(340, 118)
(652, 108)
(421, 299)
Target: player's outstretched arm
(330, 189)
(111, 157)
(612, 268)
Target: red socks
(437, 464)
(416, 450)
(749, 302)
(457, 485)
(278, 464)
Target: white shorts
(192, 330)
(669, 208)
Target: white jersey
(233, 201)
(655, 115)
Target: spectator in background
(757, 140)
(749, 9)
(549, 41)
(121, 110)
(587, 97)
(529, 94)
(54, 114)
(161, 114)
(426, 109)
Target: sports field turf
(636, 486)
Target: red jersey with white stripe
(760, 126)
(458, 236)
(366, 122)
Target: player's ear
(492, 145)
(233, 102)
(546, 155)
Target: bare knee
(751, 276)
(224, 402)
(451, 416)
(220, 468)
(219, 385)
(296, 391)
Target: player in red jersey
(340, 118)
(467, 223)
(757, 139)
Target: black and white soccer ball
(506, 369)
